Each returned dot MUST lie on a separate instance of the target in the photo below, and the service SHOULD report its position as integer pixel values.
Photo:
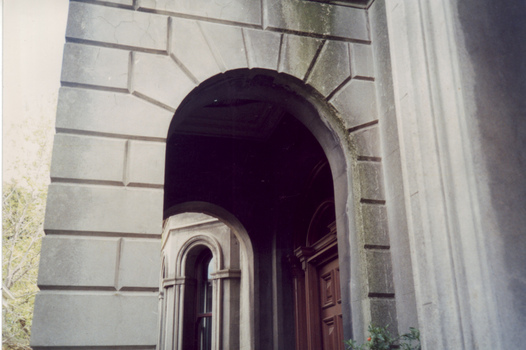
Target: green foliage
(381, 339)
(27, 153)
(23, 216)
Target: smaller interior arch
(207, 291)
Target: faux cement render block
(356, 102)
(78, 262)
(317, 18)
(371, 180)
(111, 113)
(332, 67)
(121, 2)
(367, 142)
(190, 47)
(117, 26)
(146, 163)
(161, 79)
(140, 264)
(88, 158)
(262, 48)
(362, 61)
(118, 210)
(375, 224)
(383, 313)
(98, 66)
(379, 271)
(240, 11)
(69, 319)
(228, 45)
(297, 53)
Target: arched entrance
(251, 142)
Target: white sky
(32, 41)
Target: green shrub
(381, 339)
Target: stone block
(317, 18)
(117, 26)
(146, 163)
(121, 2)
(332, 67)
(356, 102)
(367, 142)
(362, 61)
(106, 209)
(262, 48)
(67, 261)
(240, 11)
(67, 320)
(383, 313)
(297, 53)
(379, 271)
(190, 47)
(375, 225)
(140, 264)
(110, 113)
(371, 180)
(228, 45)
(161, 79)
(88, 158)
(97, 66)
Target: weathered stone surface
(362, 61)
(78, 262)
(371, 180)
(375, 227)
(117, 26)
(229, 10)
(88, 158)
(332, 67)
(121, 2)
(104, 209)
(146, 163)
(110, 113)
(383, 313)
(262, 48)
(140, 263)
(367, 142)
(92, 65)
(297, 53)
(317, 18)
(379, 271)
(228, 45)
(89, 319)
(161, 79)
(356, 102)
(189, 46)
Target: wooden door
(330, 305)
(319, 324)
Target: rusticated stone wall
(127, 67)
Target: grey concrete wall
(458, 71)
(492, 56)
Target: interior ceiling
(234, 143)
(233, 118)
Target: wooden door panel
(327, 290)
(329, 333)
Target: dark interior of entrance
(232, 146)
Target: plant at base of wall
(381, 339)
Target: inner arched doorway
(251, 142)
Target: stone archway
(248, 140)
